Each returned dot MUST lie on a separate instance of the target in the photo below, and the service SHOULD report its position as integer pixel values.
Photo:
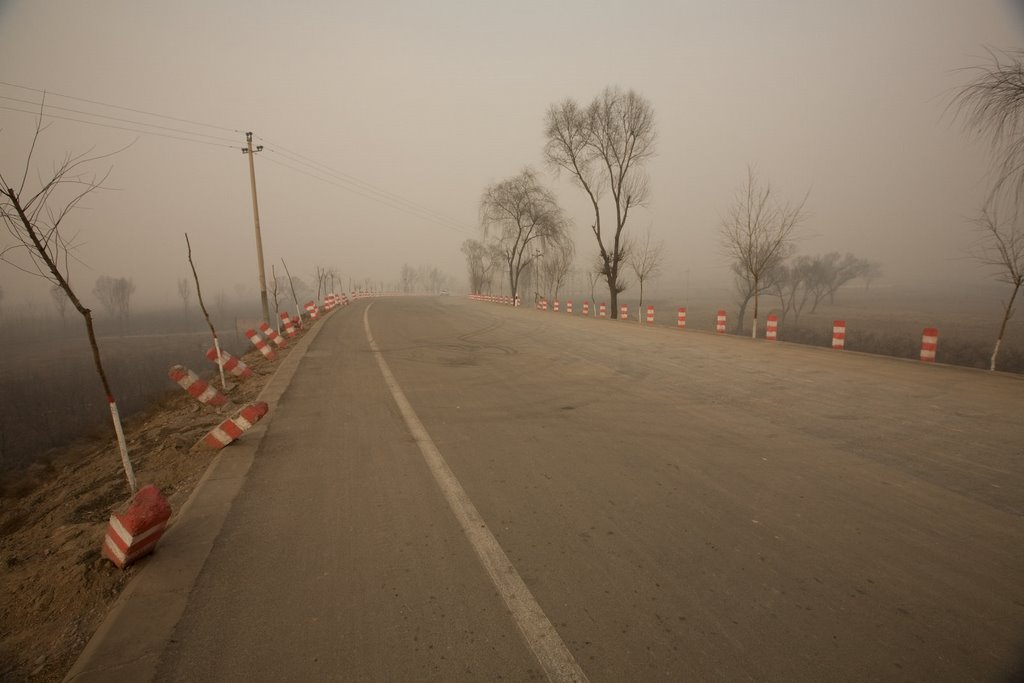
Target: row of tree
(602, 147)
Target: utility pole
(256, 221)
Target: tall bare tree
(645, 259)
(520, 214)
(34, 214)
(757, 233)
(603, 148)
(993, 106)
(1001, 247)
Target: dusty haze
(432, 101)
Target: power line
(43, 105)
(362, 184)
(400, 207)
(108, 125)
(116, 106)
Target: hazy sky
(431, 101)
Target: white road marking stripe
(539, 633)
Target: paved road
(681, 506)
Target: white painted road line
(540, 635)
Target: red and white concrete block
(261, 345)
(586, 309)
(929, 344)
(199, 389)
(231, 364)
(771, 330)
(602, 311)
(681, 319)
(568, 306)
(720, 322)
(313, 311)
(232, 428)
(650, 315)
(555, 307)
(286, 324)
(839, 334)
(134, 533)
(624, 312)
(271, 334)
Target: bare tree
(746, 289)
(556, 264)
(479, 264)
(645, 261)
(992, 105)
(115, 294)
(206, 314)
(758, 232)
(603, 148)
(104, 291)
(1001, 247)
(34, 215)
(60, 300)
(185, 292)
(792, 285)
(519, 214)
(871, 272)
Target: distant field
(50, 392)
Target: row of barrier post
(133, 532)
(929, 337)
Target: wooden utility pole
(256, 221)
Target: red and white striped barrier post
(232, 428)
(568, 306)
(233, 365)
(720, 322)
(133, 533)
(312, 310)
(624, 312)
(199, 389)
(586, 309)
(839, 334)
(258, 342)
(286, 323)
(650, 315)
(681, 319)
(929, 344)
(602, 310)
(543, 304)
(771, 330)
(555, 307)
(271, 334)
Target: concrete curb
(129, 642)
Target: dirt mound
(56, 588)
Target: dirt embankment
(55, 589)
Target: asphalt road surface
(679, 506)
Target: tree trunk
(614, 296)
(1002, 328)
(753, 332)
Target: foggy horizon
(432, 104)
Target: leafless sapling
(758, 231)
(35, 216)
